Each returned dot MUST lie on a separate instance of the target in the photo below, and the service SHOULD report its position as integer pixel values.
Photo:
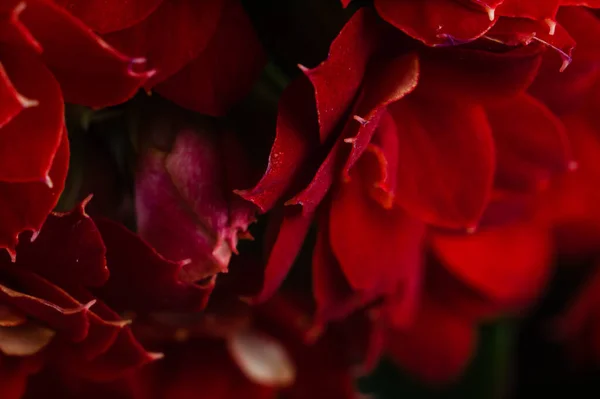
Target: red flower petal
(436, 22)
(91, 73)
(335, 298)
(14, 372)
(384, 148)
(294, 144)
(30, 140)
(80, 262)
(13, 102)
(377, 248)
(565, 91)
(292, 227)
(107, 16)
(337, 79)
(26, 205)
(224, 72)
(172, 36)
(438, 347)
(510, 264)
(437, 153)
(531, 143)
(140, 279)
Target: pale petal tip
(551, 25)
(48, 182)
(27, 102)
(491, 12)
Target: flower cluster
(186, 213)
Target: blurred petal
(29, 141)
(510, 265)
(438, 347)
(337, 79)
(224, 72)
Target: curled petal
(437, 347)
(337, 79)
(292, 148)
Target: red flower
(422, 161)
(206, 53)
(441, 138)
(49, 314)
(36, 76)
